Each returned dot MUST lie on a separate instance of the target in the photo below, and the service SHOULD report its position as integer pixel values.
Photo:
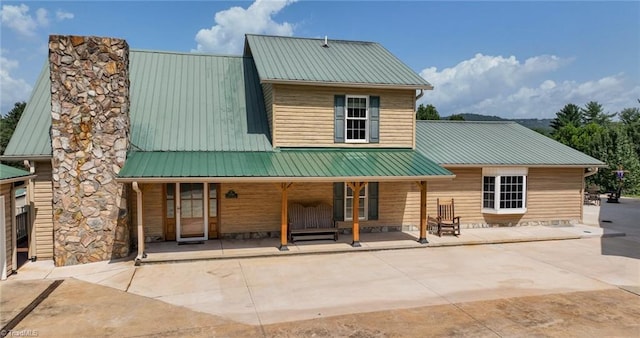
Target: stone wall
(89, 136)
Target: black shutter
(338, 129)
(338, 201)
(374, 119)
(373, 201)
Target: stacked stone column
(89, 137)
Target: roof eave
(348, 84)
(479, 165)
(12, 158)
(17, 179)
(257, 179)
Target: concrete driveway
(475, 284)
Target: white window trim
(366, 204)
(498, 173)
(346, 118)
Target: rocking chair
(446, 220)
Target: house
(506, 174)
(139, 146)
(10, 178)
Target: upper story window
(357, 119)
(504, 190)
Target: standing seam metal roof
(311, 164)
(8, 173)
(493, 143)
(179, 102)
(342, 62)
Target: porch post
(355, 187)
(283, 217)
(141, 253)
(423, 213)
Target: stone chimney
(89, 137)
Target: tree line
(8, 124)
(594, 132)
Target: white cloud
(226, 36)
(18, 19)
(506, 87)
(12, 90)
(41, 17)
(62, 15)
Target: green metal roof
(178, 102)
(342, 62)
(493, 143)
(31, 136)
(9, 174)
(289, 165)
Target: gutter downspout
(591, 173)
(141, 253)
(31, 229)
(420, 95)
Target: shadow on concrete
(625, 217)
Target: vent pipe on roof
(326, 43)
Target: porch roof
(327, 165)
(10, 174)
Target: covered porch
(276, 175)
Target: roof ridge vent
(326, 42)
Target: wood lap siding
(267, 91)
(152, 209)
(256, 209)
(552, 194)
(465, 189)
(304, 116)
(398, 204)
(5, 190)
(43, 204)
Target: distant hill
(541, 124)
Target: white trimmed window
(348, 203)
(504, 190)
(357, 119)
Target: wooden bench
(312, 222)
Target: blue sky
(510, 59)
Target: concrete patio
(162, 252)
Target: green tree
(610, 144)
(428, 112)
(456, 117)
(630, 118)
(593, 113)
(8, 124)
(569, 114)
(622, 152)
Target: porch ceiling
(330, 165)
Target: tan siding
(267, 92)
(304, 116)
(43, 204)
(257, 208)
(5, 190)
(465, 189)
(152, 209)
(398, 204)
(552, 194)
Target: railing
(21, 222)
